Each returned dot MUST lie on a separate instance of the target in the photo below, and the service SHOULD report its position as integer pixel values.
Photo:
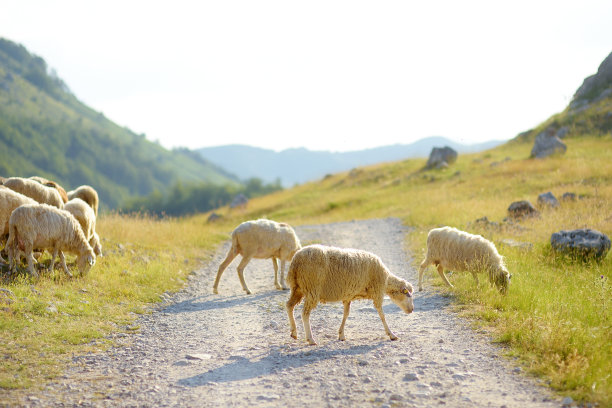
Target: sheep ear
(405, 291)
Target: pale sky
(325, 75)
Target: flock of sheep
(319, 273)
(37, 214)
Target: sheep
(9, 200)
(87, 194)
(321, 273)
(44, 226)
(87, 219)
(450, 248)
(53, 184)
(261, 239)
(33, 189)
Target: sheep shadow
(205, 303)
(242, 368)
(428, 301)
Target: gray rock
(584, 243)
(548, 200)
(213, 217)
(561, 133)
(595, 85)
(569, 196)
(411, 377)
(547, 143)
(239, 201)
(522, 209)
(441, 157)
(567, 401)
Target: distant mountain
(46, 131)
(293, 166)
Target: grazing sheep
(87, 219)
(33, 189)
(44, 226)
(53, 184)
(9, 200)
(87, 194)
(320, 273)
(452, 249)
(261, 239)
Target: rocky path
(234, 350)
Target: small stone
(411, 377)
(198, 356)
(363, 362)
(567, 401)
(441, 341)
(548, 200)
(268, 397)
(396, 397)
(51, 308)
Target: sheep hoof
(215, 291)
(393, 337)
(285, 288)
(342, 338)
(294, 335)
(312, 342)
(248, 292)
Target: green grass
(555, 317)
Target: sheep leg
(31, 260)
(228, 260)
(309, 304)
(424, 265)
(282, 275)
(63, 260)
(275, 264)
(243, 263)
(443, 276)
(347, 309)
(294, 299)
(378, 306)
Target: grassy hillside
(556, 317)
(45, 130)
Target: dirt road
(234, 350)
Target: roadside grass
(555, 318)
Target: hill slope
(293, 166)
(47, 131)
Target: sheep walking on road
(261, 239)
(452, 249)
(47, 227)
(320, 273)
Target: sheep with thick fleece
(44, 226)
(9, 200)
(87, 219)
(453, 249)
(53, 184)
(261, 239)
(35, 190)
(321, 273)
(87, 194)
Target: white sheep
(452, 249)
(44, 226)
(35, 190)
(320, 273)
(9, 200)
(261, 239)
(87, 219)
(87, 194)
(53, 184)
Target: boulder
(213, 217)
(522, 209)
(568, 196)
(584, 243)
(548, 200)
(240, 200)
(547, 143)
(441, 157)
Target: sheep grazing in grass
(35, 190)
(87, 219)
(9, 200)
(87, 194)
(44, 226)
(53, 184)
(261, 239)
(452, 249)
(320, 273)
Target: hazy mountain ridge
(299, 165)
(45, 130)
